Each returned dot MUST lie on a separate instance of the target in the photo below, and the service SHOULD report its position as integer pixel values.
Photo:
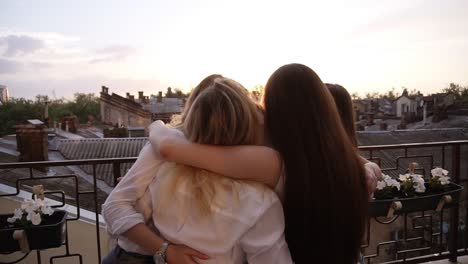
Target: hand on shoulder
(373, 174)
(162, 137)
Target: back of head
(345, 109)
(208, 81)
(221, 114)
(325, 193)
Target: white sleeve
(158, 131)
(265, 242)
(119, 208)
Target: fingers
(191, 260)
(197, 254)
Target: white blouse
(250, 229)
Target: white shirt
(251, 229)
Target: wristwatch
(160, 256)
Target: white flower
(404, 177)
(439, 172)
(417, 178)
(36, 218)
(419, 188)
(17, 216)
(18, 213)
(381, 185)
(39, 202)
(28, 203)
(444, 180)
(47, 210)
(387, 181)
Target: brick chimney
(132, 97)
(169, 92)
(105, 89)
(140, 95)
(31, 141)
(128, 95)
(159, 100)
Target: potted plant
(35, 225)
(411, 193)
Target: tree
(391, 95)
(15, 111)
(355, 96)
(84, 105)
(373, 95)
(460, 92)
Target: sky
(58, 48)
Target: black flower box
(50, 233)
(427, 202)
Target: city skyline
(59, 48)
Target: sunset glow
(62, 47)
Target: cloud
(112, 54)
(9, 66)
(57, 88)
(20, 44)
(419, 20)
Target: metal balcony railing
(407, 238)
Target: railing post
(453, 232)
(116, 170)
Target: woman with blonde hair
(232, 221)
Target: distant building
(120, 111)
(163, 108)
(405, 105)
(139, 112)
(3, 94)
(446, 99)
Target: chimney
(105, 90)
(128, 95)
(159, 100)
(132, 97)
(169, 92)
(140, 95)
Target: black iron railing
(407, 238)
(78, 193)
(426, 235)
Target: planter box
(417, 204)
(49, 234)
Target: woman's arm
(373, 174)
(257, 163)
(119, 208)
(120, 213)
(143, 236)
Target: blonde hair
(222, 113)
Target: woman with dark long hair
(344, 105)
(312, 165)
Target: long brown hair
(344, 105)
(326, 200)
